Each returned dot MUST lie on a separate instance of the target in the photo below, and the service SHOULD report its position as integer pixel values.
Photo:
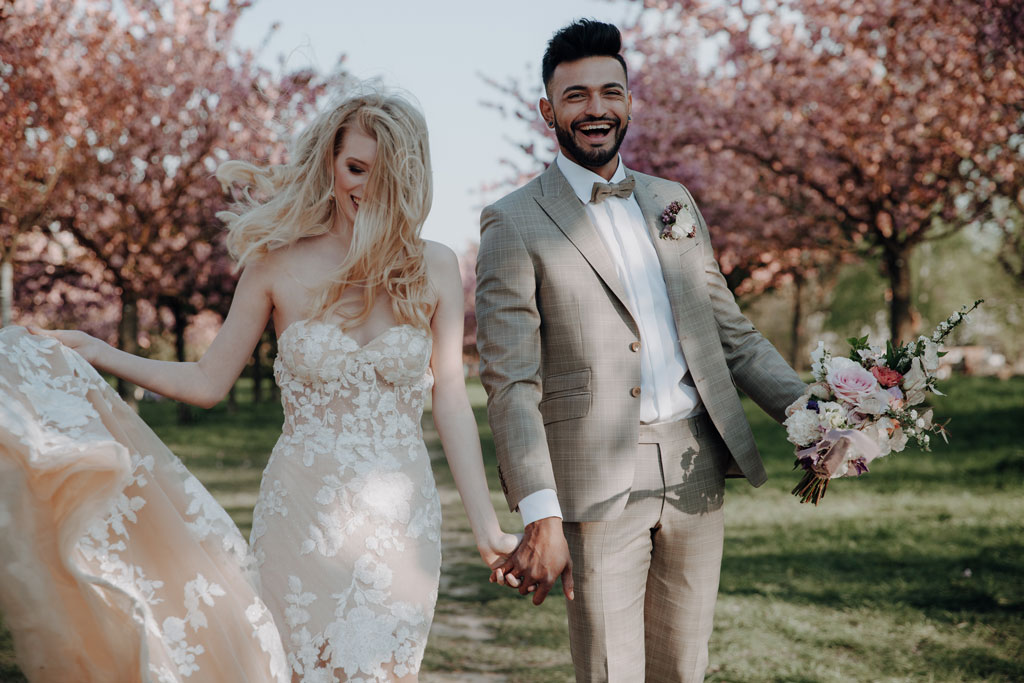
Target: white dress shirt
(666, 392)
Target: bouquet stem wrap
(830, 458)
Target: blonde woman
(346, 529)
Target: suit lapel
(648, 199)
(562, 205)
(680, 282)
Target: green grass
(914, 572)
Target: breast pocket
(566, 396)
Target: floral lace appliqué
(347, 526)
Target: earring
(551, 124)
(629, 117)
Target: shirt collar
(582, 180)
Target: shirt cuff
(538, 505)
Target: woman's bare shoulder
(439, 257)
(303, 256)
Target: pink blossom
(887, 377)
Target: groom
(611, 351)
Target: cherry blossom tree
(817, 131)
(115, 118)
(467, 270)
(753, 259)
(46, 92)
(870, 127)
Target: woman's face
(352, 167)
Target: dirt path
(484, 633)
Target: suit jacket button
(634, 347)
(634, 392)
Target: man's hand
(542, 556)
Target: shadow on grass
(982, 664)
(842, 579)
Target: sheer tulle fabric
(346, 530)
(115, 563)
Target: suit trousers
(646, 582)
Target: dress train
(116, 564)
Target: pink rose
(886, 376)
(852, 383)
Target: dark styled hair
(581, 39)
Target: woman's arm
(202, 383)
(453, 416)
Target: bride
(117, 565)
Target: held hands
(496, 549)
(541, 558)
(87, 346)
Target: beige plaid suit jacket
(557, 348)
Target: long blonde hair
(296, 200)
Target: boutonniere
(671, 229)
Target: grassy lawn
(915, 572)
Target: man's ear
(547, 112)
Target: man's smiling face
(589, 105)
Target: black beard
(589, 158)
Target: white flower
(819, 359)
(878, 431)
(914, 383)
(799, 404)
(898, 440)
(802, 428)
(872, 353)
(832, 415)
(677, 232)
(931, 356)
(820, 391)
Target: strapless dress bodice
(317, 352)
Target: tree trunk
(796, 327)
(275, 393)
(185, 414)
(128, 341)
(257, 374)
(232, 399)
(6, 286)
(902, 318)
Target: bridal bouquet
(862, 406)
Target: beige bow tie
(601, 191)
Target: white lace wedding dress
(117, 565)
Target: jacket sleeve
(508, 338)
(758, 369)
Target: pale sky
(436, 51)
